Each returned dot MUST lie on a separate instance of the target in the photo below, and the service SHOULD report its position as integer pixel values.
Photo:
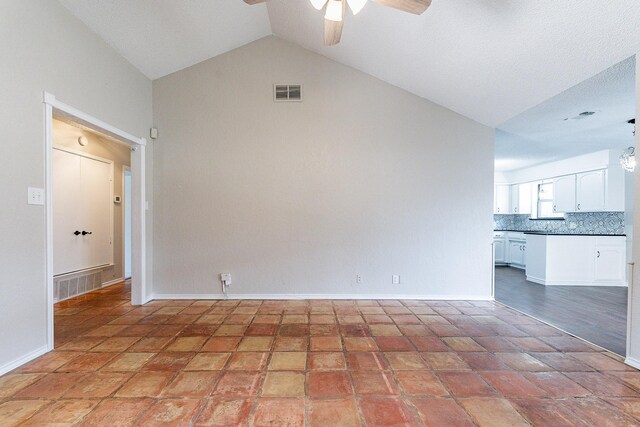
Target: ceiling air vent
(287, 93)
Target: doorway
(563, 208)
(54, 109)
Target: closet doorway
(88, 209)
(84, 232)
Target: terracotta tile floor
(314, 363)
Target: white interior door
(82, 212)
(66, 197)
(95, 209)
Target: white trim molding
(111, 283)
(539, 281)
(634, 363)
(322, 297)
(8, 367)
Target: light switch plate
(35, 196)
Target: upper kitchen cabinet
(593, 191)
(501, 199)
(521, 198)
(564, 194)
(525, 194)
(614, 190)
(590, 191)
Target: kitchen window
(545, 202)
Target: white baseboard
(7, 367)
(112, 282)
(535, 280)
(573, 283)
(635, 363)
(322, 296)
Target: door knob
(84, 233)
(76, 232)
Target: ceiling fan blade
(333, 29)
(254, 1)
(332, 32)
(416, 7)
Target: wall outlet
(226, 279)
(358, 278)
(35, 196)
(395, 279)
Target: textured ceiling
(542, 134)
(489, 60)
(160, 37)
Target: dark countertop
(544, 233)
(547, 233)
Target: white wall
(298, 198)
(43, 47)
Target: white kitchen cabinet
(517, 253)
(576, 260)
(501, 199)
(499, 249)
(520, 202)
(82, 211)
(564, 194)
(514, 200)
(525, 198)
(610, 260)
(590, 188)
(615, 182)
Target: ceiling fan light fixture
(356, 5)
(334, 10)
(318, 4)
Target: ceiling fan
(335, 11)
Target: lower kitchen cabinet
(500, 250)
(576, 260)
(517, 253)
(610, 260)
(509, 248)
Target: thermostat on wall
(117, 199)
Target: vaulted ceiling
(486, 59)
(558, 128)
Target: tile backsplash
(578, 223)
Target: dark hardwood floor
(595, 313)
